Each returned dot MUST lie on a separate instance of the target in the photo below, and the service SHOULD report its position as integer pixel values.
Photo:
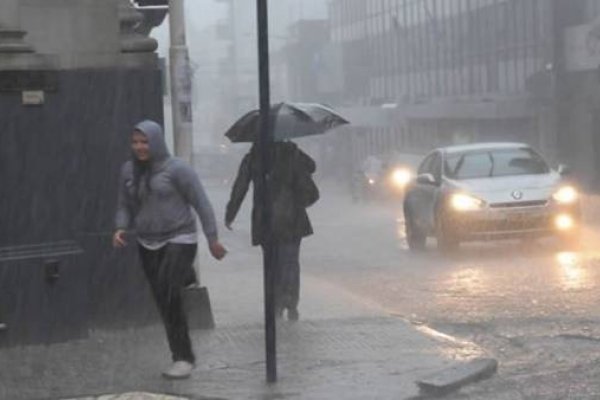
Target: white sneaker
(179, 370)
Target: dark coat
(289, 219)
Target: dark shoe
(292, 314)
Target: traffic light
(151, 3)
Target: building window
(445, 48)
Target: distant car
(388, 180)
(489, 191)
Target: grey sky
(206, 51)
(203, 13)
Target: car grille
(520, 204)
(511, 224)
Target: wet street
(528, 305)
(534, 308)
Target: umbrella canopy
(290, 120)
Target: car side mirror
(564, 170)
(426, 179)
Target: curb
(453, 378)
(462, 373)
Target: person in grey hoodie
(156, 195)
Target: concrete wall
(75, 34)
(59, 164)
(82, 33)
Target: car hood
(501, 189)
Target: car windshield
(490, 163)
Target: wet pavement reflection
(573, 273)
(529, 277)
(533, 305)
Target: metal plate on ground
(454, 377)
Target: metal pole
(554, 142)
(264, 142)
(181, 95)
(181, 83)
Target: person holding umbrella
(157, 193)
(291, 189)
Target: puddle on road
(458, 349)
(469, 281)
(572, 272)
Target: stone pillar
(11, 33)
(131, 40)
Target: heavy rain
(299, 199)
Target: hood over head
(156, 140)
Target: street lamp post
(181, 105)
(265, 141)
(181, 82)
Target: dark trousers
(287, 274)
(169, 269)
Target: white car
(488, 191)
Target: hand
(217, 250)
(119, 239)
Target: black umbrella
(290, 120)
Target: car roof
(482, 146)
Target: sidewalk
(342, 348)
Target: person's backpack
(296, 189)
(306, 191)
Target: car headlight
(465, 202)
(401, 177)
(564, 222)
(566, 195)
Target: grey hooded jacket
(162, 209)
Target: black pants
(169, 269)
(287, 274)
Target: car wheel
(447, 239)
(415, 237)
